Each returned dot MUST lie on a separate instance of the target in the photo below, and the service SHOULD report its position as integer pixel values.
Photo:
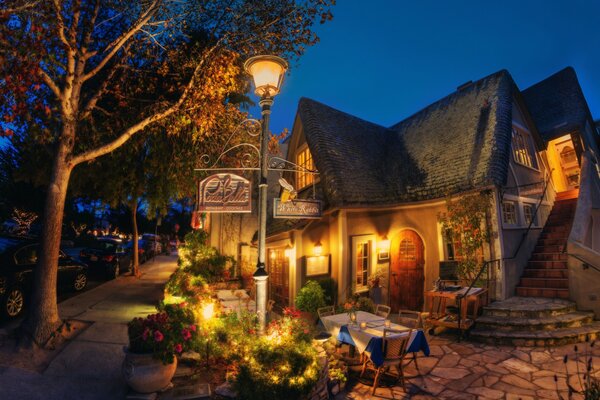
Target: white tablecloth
(361, 337)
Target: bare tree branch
(60, 24)
(51, 84)
(125, 136)
(116, 45)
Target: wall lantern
(288, 251)
(384, 243)
(383, 251)
(267, 72)
(318, 250)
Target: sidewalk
(89, 367)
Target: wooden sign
(221, 193)
(297, 209)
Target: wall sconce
(318, 249)
(288, 251)
(272, 254)
(383, 251)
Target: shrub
(329, 286)
(365, 304)
(311, 297)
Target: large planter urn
(145, 374)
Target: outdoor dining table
(370, 339)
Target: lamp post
(267, 72)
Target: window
(567, 155)
(522, 148)
(528, 214)
(509, 214)
(305, 161)
(362, 261)
(452, 246)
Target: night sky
(385, 60)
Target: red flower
(158, 336)
(186, 334)
(145, 334)
(193, 328)
(178, 348)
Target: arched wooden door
(407, 273)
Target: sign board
(317, 266)
(224, 193)
(297, 209)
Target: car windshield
(6, 243)
(103, 245)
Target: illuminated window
(363, 258)
(509, 214)
(523, 149)
(528, 213)
(305, 161)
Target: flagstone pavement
(470, 370)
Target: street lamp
(267, 72)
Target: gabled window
(522, 147)
(509, 213)
(305, 161)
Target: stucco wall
(583, 245)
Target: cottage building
(383, 189)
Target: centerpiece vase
(145, 374)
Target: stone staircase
(546, 274)
(531, 321)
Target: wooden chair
(394, 350)
(326, 311)
(382, 311)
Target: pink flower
(178, 348)
(158, 336)
(186, 334)
(193, 328)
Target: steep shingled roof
(458, 143)
(557, 104)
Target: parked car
(18, 260)
(107, 256)
(142, 254)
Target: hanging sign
(310, 209)
(224, 193)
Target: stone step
(556, 248)
(547, 264)
(555, 235)
(570, 320)
(549, 257)
(568, 195)
(555, 337)
(529, 307)
(556, 229)
(549, 283)
(545, 273)
(542, 292)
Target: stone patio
(469, 370)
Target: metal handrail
(586, 263)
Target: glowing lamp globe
(267, 73)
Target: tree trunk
(43, 319)
(135, 247)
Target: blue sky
(385, 60)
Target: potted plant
(154, 342)
(309, 299)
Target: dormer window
(522, 147)
(305, 162)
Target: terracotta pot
(145, 374)
(309, 317)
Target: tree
(68, 68)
